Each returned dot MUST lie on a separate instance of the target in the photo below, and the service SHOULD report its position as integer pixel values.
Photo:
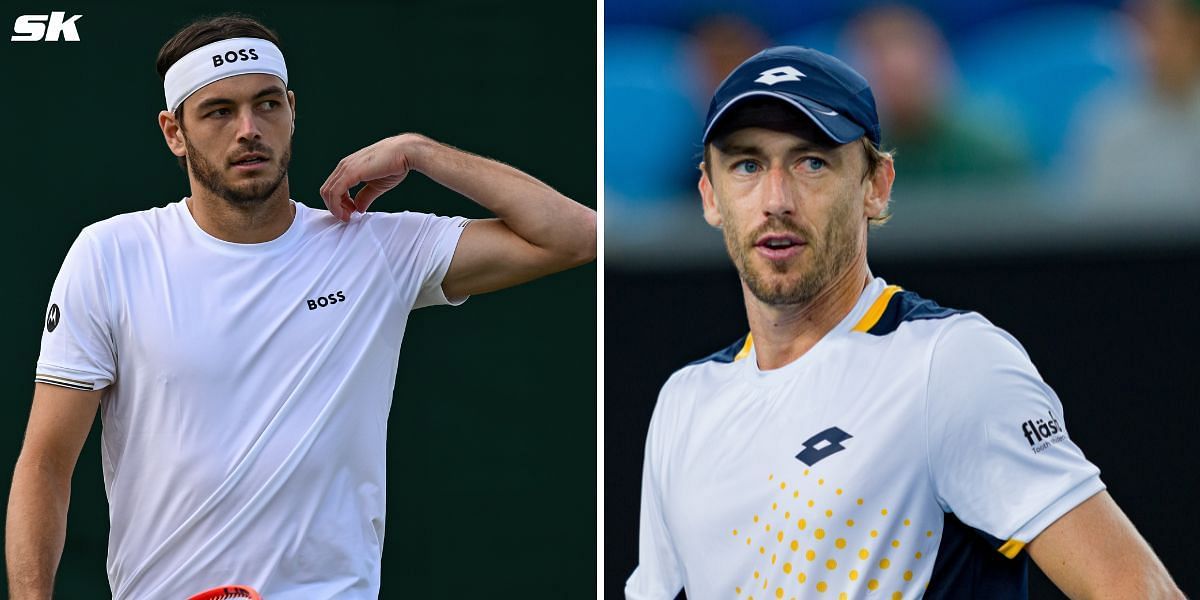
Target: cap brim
(839, 128)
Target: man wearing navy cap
(860, 441)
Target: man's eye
(814, 164)
(220, 112)
(746, 166)
(270, 104)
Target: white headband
(218, 60)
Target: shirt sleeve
(419, 247)
(658, 575)
(1000, 455)
(78, 351)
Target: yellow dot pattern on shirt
(897, 596)
(854, 571)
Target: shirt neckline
(870, 293)
(283, 241)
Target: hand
(381, 166)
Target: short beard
(831, 255)
(210, 177)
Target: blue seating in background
(1040, 63)
(820, 35)
(652, 125)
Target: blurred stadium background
(492, 450)
(1047, 160)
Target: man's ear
(291, 96)
(880, 189)
(172, 133)
(708, 199)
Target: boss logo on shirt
(52, 318)
(1043, 433)
(323, 301)
(823, 445)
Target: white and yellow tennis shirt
(913, 451)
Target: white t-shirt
(913, 450)
(246, 392)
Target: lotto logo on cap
(827, 90)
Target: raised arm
(537, 230)
(1094, 551)
(41, 489)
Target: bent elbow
(583, 251)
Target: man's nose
(779, 195)
(248, 126)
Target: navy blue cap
(832, 94)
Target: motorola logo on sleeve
(52, 318)
(1042, 433)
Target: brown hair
(202, 32)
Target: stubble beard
(831, 254)
(253, 193)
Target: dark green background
(491, 458)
